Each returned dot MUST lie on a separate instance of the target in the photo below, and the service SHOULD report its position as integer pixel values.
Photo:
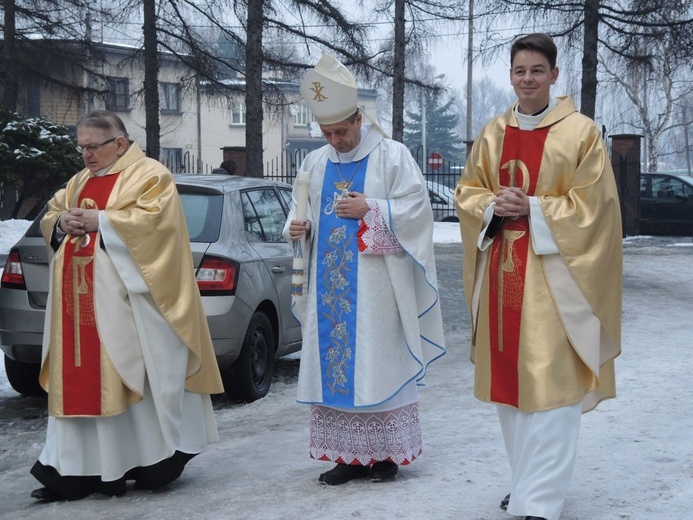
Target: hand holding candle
(299, 265)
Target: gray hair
(105, 120)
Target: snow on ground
(11, 231)
(635, 460)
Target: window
(237, 113)
(202, 214)
(118, 97)
(263, 215)
(670, 188)
(301, 115)
(286, 195)
(169, 98)
(436, 199)
(33, 99)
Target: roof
(225, 182)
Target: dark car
(243, 267)
(666, 204)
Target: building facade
(200, 126)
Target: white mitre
(330, 91)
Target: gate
(625, 161)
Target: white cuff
(542, 239)
(484, 242)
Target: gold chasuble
(137, 196)
(535, 344)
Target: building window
(238, 113)
(118, 98)
(33, 99)
(169, 98)
(301, 115)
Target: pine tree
(441, 125)
(36, 158)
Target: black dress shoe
(47, 495)
(115, 488)
(383, 471)
(504, 503)
(343, 473)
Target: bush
(36, 157)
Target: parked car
(666, 204)
(243, 267)
(442, 202)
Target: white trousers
(541, 448)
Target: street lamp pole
(470, 57)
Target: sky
(634, 459)
(449, 56)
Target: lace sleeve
(374, 237)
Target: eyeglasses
(91, 148)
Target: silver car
(442, 202)
(243, 267)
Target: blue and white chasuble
(336, 284)
(371, 323)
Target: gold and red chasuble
(81, 370)
(519, 167)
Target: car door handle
(279, 269)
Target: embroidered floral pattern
(365, 437)
(336, 305)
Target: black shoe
(504, 503)
(115, 488)
(383, 471)
(343, 473)
(47, 495)
(535, 518)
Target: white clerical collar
(348, 157)
(103, 172)
(531, 121)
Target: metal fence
(441, 180)
(186, 163)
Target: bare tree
(253, 85)
(151, 79)
(57, 22)
(332, 31)
(613, 27)
(11, 88)
(413, 23)
(489, 100)
(655, 91)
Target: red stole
(520, 163)
(81, 344)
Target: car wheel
(24, 377)
(250, 376)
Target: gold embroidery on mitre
(318, 88)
